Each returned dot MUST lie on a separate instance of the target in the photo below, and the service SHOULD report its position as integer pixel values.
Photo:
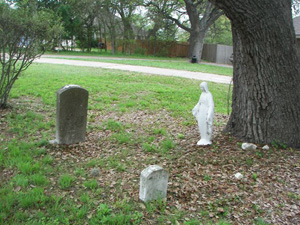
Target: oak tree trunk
(196, 44)
(266, 93)
(202, 14)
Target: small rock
(142, 206)
(95, 172)
(238, 176)
(294, 207)
(220, 210)
(17, 189)
(249, 146)
(266, 147)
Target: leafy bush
(25, 34)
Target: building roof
(296, 21)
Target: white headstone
(153, 183)
(71, 114)
(204, 113)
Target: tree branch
(179, 24)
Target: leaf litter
(201, 179)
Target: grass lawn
(160, 62)
(134, 121)
(102, 53)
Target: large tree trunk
(199, 26)
(112, 40)
(196, 44)
(266, 93)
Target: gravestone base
(53, 142)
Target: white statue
(204, 113)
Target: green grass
(92, 184)
(98, 53)
(33, 198)
(112, 90)
(160, 131)
(206, 177)
(113, 125)
(167, 145)
(150, 147)
(179, 64)
(65, 181)
(20, 180)
(105, 215)
(122, 138)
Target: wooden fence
(217, 53)
(152, 47)
(211, 52)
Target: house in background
(296, 21)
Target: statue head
(204, 87)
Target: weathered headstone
(71, 114)
(153, 183)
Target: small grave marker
(153, 183)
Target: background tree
(125, 10)
(70, 22)
(25, 34)
(87, 12)
(79, 21)
(201, 15)
(108, 22)
(219, 32)
(160, 28)
(266, 93)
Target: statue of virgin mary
(204, 113)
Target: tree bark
(266, 93)
(199, 25)
(113, 43)
(196, 44)
(196, 36)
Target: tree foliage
(296, 7)
(219, 32)
(25, 34)
(92, 21)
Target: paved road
(140, 69)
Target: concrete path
(140, 69)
